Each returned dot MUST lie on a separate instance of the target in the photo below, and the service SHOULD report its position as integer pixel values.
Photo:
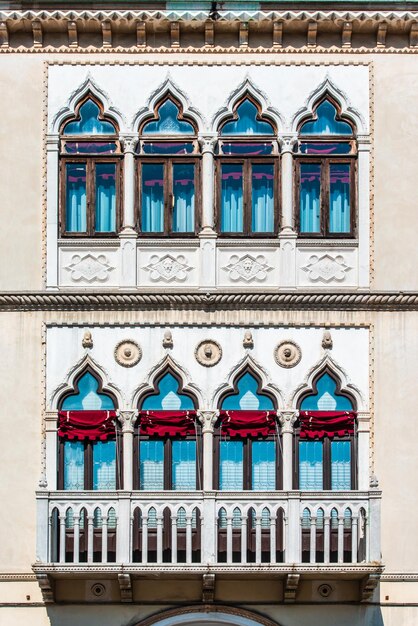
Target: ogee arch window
(90, 173)
(86, 460)
(326, 454)
(247, 173)
(167, 452)
(168, 173)
(326, 174)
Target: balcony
(134, 534)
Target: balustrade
(209, 528)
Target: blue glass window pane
(75, 198)
(310, 197)
(247, 122)
(104, 465)
(231, 459)
(247, 398)
(326, 399)
(340, 465)
(326, 122)
(106, 197)
(152, 200)
(73, 465)
(325, 149)
(184, 465)
(262, 194)
(89, 124)
(339, 198)
(252, 148)
(184, 198)
(263, 470)
(168, 397)
(168, 122)
(151, 465)
(87, 398)
(232, 191)
(89, 147)
(168, 148)
(310, 465)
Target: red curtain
(320, 424)
(167, 423)
(248, 423)
(91, 425)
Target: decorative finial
(374, 483)
(327, 340)
(168, 339)
(248, 341)
(87, 341)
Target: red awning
(320, 424)
(248, 423)
(167, 423)
(90, 425)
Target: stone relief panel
(327, 268)
(253, 267)
(173, 268)
(91, 267)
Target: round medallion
(128, 353)
(287, 354)
(208, 353)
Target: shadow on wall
(215, 615)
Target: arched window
(87, 460)
(168, 172)
(325, 184)
(326, 451)
(247, 459)
(247, 173)
(90, 173)
(166, 438)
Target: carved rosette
(287, 354)
(208, 353)
(128, 353)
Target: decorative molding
(168, 268)
(326, 268)
(248, 268)
(208, 352)
(89, 268)
(128, 353)
(119, 300)
(287, 354)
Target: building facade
(209, 313)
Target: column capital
(287, 141)
(208, 420)
(127, 419)
(207, 142)
(129, 142)
(287, 419)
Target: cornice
(123, 300)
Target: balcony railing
(210, 529)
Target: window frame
(247, 163)
(88, 463)
(247, 460)
(167, 162)
(90, 160)
(324, 216)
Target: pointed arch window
(89, 448)
(90, 173)
(168, 173)
(167, 436)
(247, 172)
(326, 174)
(246, 440)
(326, 449)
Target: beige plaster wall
(395, 171)
(21, 154)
